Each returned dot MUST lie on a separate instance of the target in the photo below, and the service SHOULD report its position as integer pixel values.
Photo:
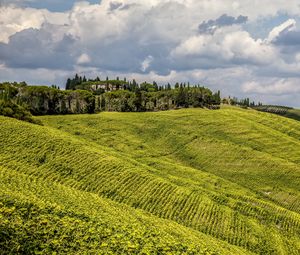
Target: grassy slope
(49, 202)
(293, 114)
(280, 110)
(230, 175)
(39, 217)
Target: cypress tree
(68, 84)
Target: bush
(10, 109)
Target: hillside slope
(38, 217)
(280, 110)
(293, 114)
(222, 181)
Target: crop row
(140, 190)
(41, 217)
(43, 155)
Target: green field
(190, 181)
(280, 110)
(293, 114)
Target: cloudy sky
(248, 48)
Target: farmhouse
(107, 87)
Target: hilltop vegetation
(41, 100)
(141, 101)
(10, 109)
(19, 100)
(129, 96)
(192, 181)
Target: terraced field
(190, 181)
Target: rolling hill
(280, 110)
(190, 181)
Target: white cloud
(155, 40)
(146, 63)
(38, 76)
(83, 59)
(289, 25)
(245, 48)
(14, 19)
(273, 86)
(229, 46)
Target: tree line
(123, 95)
(141, 101)
(21, 101)
(244, 102)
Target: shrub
(13, 110)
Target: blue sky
(243, 48)
(55, 5)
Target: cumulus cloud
(83, 59)
(288, 38)
(273, 86)
(115, 5)
(212, 25)
(224, 47)
(146, 63)
(15, 19)
(287, 26)
(158, 40)
(39, 48)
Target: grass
(280, 110)
(293, 114)
(178, 182)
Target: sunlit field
(191, 181)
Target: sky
(246, 48)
